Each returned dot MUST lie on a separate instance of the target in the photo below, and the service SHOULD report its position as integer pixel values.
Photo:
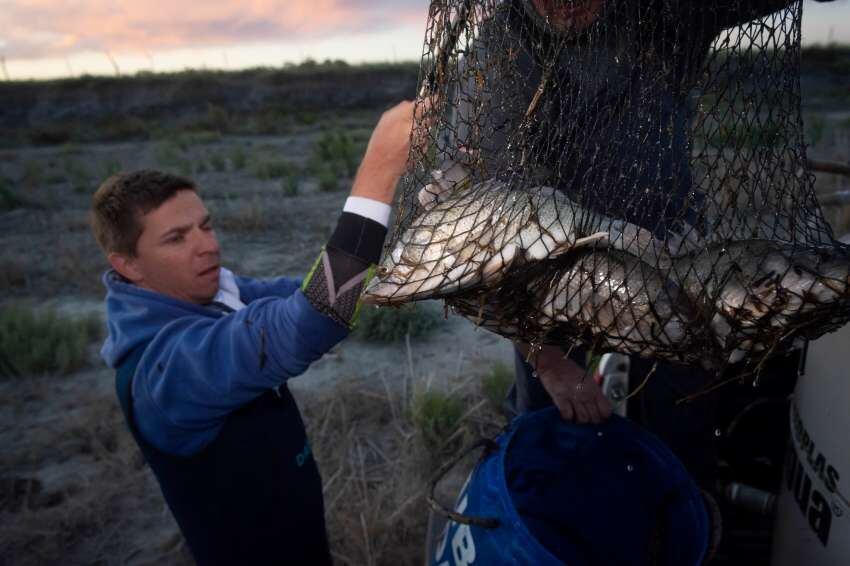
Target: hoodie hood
(134, 316)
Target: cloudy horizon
(45, 39)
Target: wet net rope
(629, 176)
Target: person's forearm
(386, 155)
(344, 267)
(376, 181)
(360, 241)
(345, 264)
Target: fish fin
(450, 177)
(592, 239)
(429, 195)
(499, 262)
(639, 242)
(566, 246)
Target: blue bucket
(552, 492)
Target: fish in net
(625, 176)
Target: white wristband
(369, 208)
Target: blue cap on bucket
(601, 494)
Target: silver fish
(610, 298)
(740, 301)
(757, 294)
(625, 304)
(470, 235)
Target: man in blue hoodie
(202, 355)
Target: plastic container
(554, 492)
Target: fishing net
(626, 176)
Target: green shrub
(306, 118)
(815, 129)
(289, 184)
(389, 324)
(327, 178)
(211, 124)
(217, 162)
(238, 158)
(199, 137)
(269, 122)
(110, 167)
(217, 118)
(37, 343)
(495, 385)
(338, 151)
(167, 153)
(436, 416)
(235, 214)
(78, 175)
(745, 136)
(52, 134)
(183, 167)
(273, 169)
(33, 174)
(114, 128)
(14, 272)
(70, 150)
(8, 199)
(56, 178)
(831, 58)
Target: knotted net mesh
(625, 175)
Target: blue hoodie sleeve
(197, 370)
(253, 289)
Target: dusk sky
(46, 38)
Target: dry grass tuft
(73, 487)
(252, 214)
(377, 450)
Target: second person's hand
(576, 395)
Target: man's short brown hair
(121, 201)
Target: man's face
(569, 16)
(177, 253)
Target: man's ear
(126, 266)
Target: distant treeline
(833, 59)
(262, 100)
(147, 105)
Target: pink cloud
(39, 28)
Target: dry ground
(73, 487)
